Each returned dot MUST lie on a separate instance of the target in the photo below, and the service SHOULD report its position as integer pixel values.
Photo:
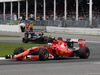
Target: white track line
(96, 63)
(93, 41)
(2, 58)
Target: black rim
(45, 54)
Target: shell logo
(61, 52)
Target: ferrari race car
(36, 38)
(56, 48)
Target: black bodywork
(35, 38)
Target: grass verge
(8, 36)
(8, 48)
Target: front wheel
(43, 54)
(18, 51)
(84, 52)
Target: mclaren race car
(56, 48)
(35, 38)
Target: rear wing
(81, 42)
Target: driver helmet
(53, 38)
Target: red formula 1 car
(57, 48)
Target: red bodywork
(57, 47)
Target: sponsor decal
(51, 56)
(59, 43)
(62, 45)
(65, 52)
(61, 52)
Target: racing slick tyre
(18, 51)
(84, 52)
(25, 40)
(59, 38)
(43, 54)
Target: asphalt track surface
(61, 66)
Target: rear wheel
(18, 51)
(84, 52)
(25, 40)
(43, 54)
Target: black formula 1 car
(35, 38)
